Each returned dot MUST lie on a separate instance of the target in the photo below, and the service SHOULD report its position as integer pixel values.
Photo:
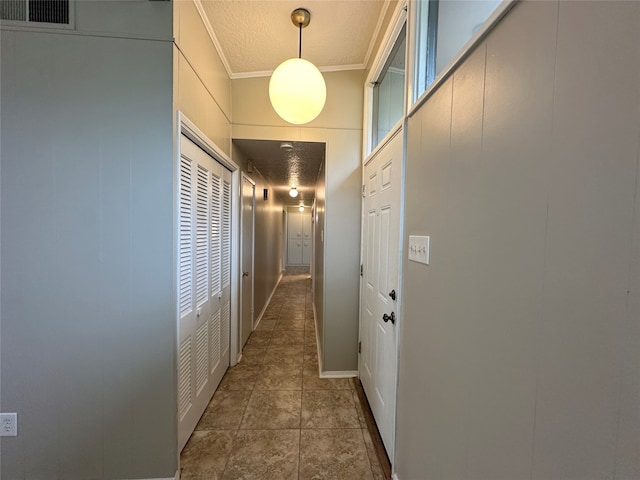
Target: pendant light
(297, 90)
(293, 192)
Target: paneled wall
(202, 89)
(520, 342)
(87, 303)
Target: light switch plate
(419, 248)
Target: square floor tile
(311, 380)
(264, 455)
(260, 338)
(273, 409)
(240, 377)
(287, 336)
(225, 410)
(253, 355)
(333, 455)
(286, 322)
(267, 324)
(285, 355)
(310, 356)
(328, 409)
(205, 455)
(279, 377)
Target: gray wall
(318, 261)
(87, 302)
(520, 343)
(269, 240)
(342, 264)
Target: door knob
(391, 317)
(245, 274)
(392, 294)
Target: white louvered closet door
(204, 282)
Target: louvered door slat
(226, 235)
(216, 233)
(202, 217)
(185, 384)
(186, 265)
(214, 340)
(224, 327)
(202, 356)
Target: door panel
(381, 243)
(248, 200)
(299, 244)
(203, 323)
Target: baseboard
(339, 374)
(315, 322)
(176, 477)
(264, 309)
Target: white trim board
(339, 374)
(267, 73)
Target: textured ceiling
(286, 168)
(256, 36)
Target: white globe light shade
(293, 192)
(297, 91)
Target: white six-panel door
(204, 196)
(381, 240)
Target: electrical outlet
(8, 424)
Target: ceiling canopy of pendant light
(297, 90)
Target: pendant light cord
(300, 41)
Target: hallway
(272, 417)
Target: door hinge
(361, 270)
(359, 347)
(364, 191)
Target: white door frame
(244, 177)
(187, 128)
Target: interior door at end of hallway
(378, 311)
(248, 202)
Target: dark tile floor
(272, 417)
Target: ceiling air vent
(54, 12)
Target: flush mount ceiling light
(297, 90)
(293, 192)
